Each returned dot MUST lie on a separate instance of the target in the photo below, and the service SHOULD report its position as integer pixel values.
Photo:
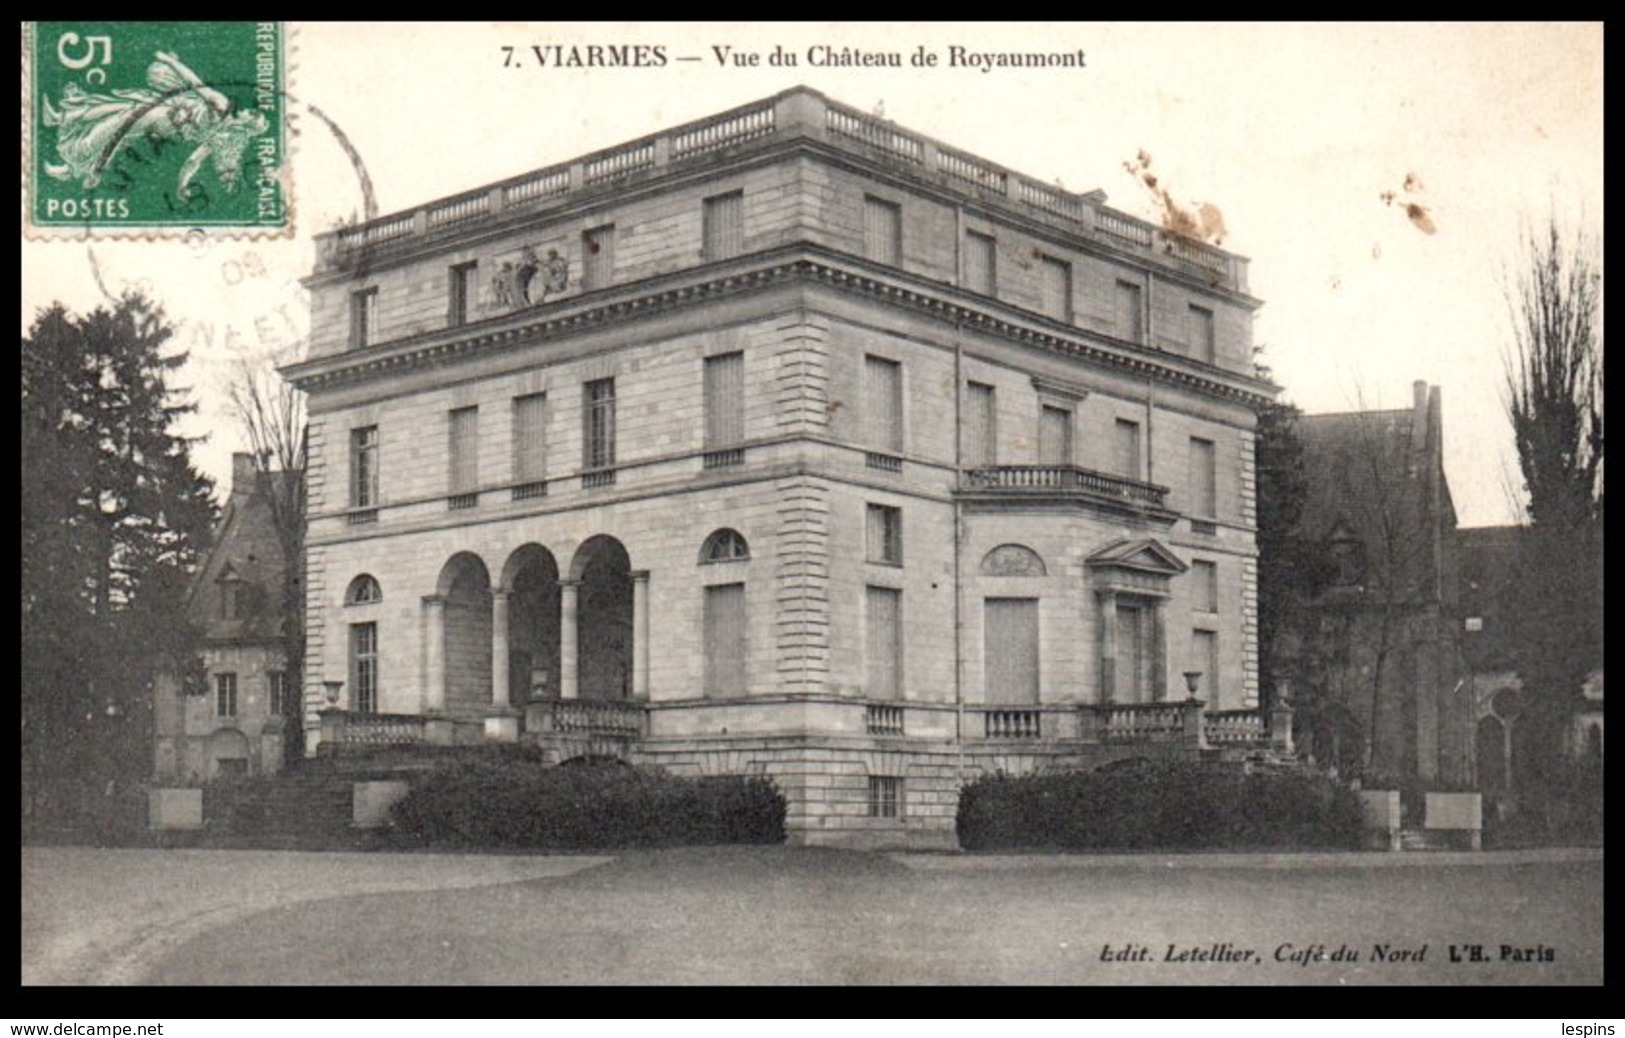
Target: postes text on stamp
(156, 126)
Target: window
(1203, 346)
(883, 404)
(364, 590)
(1056, 285)
(460, 290)
(1010, 650)
(724, 225)
(1204, 479)
(364, 467)
(225, 695)
(725, 640)
(1206, 578)
(462, 452)
(884, 642)
(231, 595)
(1054, 435)
(885, 534)
(981, 273)
(725, 546)
(597, 257)
(363, 317)
(1475, 624)
(885, 796)
(364, 668)
(1126, 449)
(981, 426)
(883, 231)
(529, 440)
(1205, 658)
(724, 401)
(276, 691)
(598, 438)
(1130, 316)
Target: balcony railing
(606, 717)
(1013, 724)
(881, 719)
(1026, 479)
(794, 114)
(351, 728)
(1140, 722)
(1224, 727)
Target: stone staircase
(306, 807)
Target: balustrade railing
(1013, 724)
(1064, 477)
(357, 729)
(722, 132)
(1223, 727)
(881, 719)
(1140, 722)
(782, 116)
(874, 133)
(592, 717)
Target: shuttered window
(598, 257)
(1133, 680)
(981, 429)
(1130, 316)
(724, 230)
(980, 270)
(1205, 576)
(530, 438)
(1204, 479)
(1054, 435)
(883, 231)
(1010, 650)
(724, 400)
(1203, 346)
(1056, 278)
(884, 642)
(463, 450)
(1126, 449)
(598, 424)
(725, 640)
(460, 291)
(883, 404)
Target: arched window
(725, 546)
(363, 589)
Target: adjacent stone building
(1380, 648)
(226, 716)
(786, 442)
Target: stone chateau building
(786, 442)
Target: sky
(1310, 139)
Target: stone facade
(223, 718)
(719, 450)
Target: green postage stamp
(155, 128)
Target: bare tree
(272, 416)
(1554, 398)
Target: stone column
(434, 653)
(568, 686)
(640, 635)
(499, 646)
(1107, 641)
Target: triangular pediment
(1142, 554)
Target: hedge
(527, 804)
(1169, 805)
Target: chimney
(1419, 415)
(242, 472)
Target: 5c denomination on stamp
(155, 126)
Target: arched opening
(1492, 755)
(465, 587)
(363, 590)
(532, 579)
(603, 619)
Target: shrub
(527, 804)
(1173, 805)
